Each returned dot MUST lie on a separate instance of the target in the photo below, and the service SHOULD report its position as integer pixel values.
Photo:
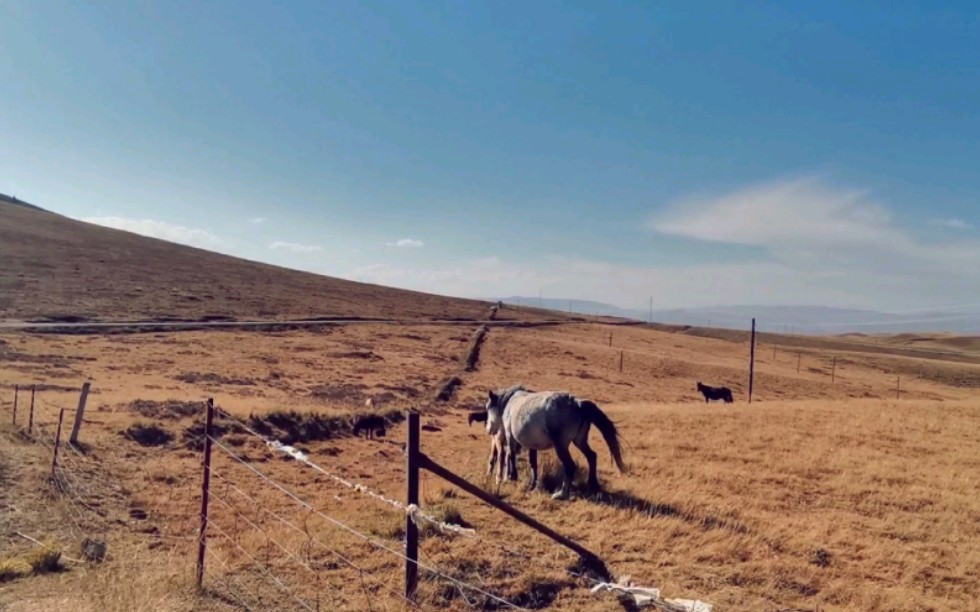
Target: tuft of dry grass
(473, 351)
(13, 568)
(148, 434)
(44, 559)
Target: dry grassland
(55, 267)
(819, 495)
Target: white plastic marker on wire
(645, 597)
(412, 510)
(366, 538)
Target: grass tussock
(148, 434)
(193, 435)
(472, 357)
(210, 378)
(11, 569)
(292, 427)
(44, 559)
(448, 388)
(168, 409)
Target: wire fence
(95, 500)
(267, 545)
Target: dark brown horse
(715, 393)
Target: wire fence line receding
(92, 495)
(246, 553)
(343, 526)
(416, 513)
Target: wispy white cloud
(294, 247)
(257, 220)
(816, 227)
(813, 243)
(407, 243)
(951, 223)
(161, 229)
(788, 212)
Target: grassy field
(849, 483)
(818, 495)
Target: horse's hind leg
(512, 460)
(532, 460)
(569, 467)
(582, 442)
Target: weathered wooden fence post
(751, 360)
(16, 393)
(833, 370)
(57, 442)
(205, 493)
(30, 418)
(79, 413)
(898, 387)
(799, 358)
(620, 361)
(412, 497)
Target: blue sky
(703, 153)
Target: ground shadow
(624, 500)
(551, 478)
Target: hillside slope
(55, 267)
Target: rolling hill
(53, 267)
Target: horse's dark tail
(607, 428)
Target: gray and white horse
(549, 419)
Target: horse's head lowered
(495, 413)
(496, 402)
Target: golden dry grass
(819, 495)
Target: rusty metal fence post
(30, 418)
(16, 393)
(205, 493)
(751, 360)
(412, 497)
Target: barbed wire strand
(360, 535)
(229, 571)
(412, 510)
(306, 533)
(268, 574)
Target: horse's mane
(505, 395)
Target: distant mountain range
(798, 319)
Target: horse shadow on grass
(551, 478)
